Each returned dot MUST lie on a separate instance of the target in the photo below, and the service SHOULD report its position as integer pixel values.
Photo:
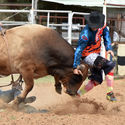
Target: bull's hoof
(58, 88)
(15, 103)
(30, 99)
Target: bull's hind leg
(27, 75)
(58, 86)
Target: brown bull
(35, 51)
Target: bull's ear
(76, 79)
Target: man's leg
(96, 74)
(95, 79)
(110, 81)
(84, 89)
(109, 77)
(104, 64)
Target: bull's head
(75, 81)
(74, 84)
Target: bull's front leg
(58, 86)
(27, 75)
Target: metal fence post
(32, 14)
(70, 27)
(104, 10)
(48, 18)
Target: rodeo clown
(88, 50)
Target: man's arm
(82, 43)
(107, 41)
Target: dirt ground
(51, 108)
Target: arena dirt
(51, 108)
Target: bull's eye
(75, 79)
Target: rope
(7, 45)
(12, 15)
(3, 36)
(19, 80)
(6, 85)
(20, 77)
(5, 40)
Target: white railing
(69, 23)
(31, 19)
(32, 14)
(5, 20)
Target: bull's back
(40, 44)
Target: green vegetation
(46, 79)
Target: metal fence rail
(31, 14)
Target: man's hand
(76, 71)
(110, 52)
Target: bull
(35, 51)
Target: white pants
(90, 59)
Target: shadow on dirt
(23, 107)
